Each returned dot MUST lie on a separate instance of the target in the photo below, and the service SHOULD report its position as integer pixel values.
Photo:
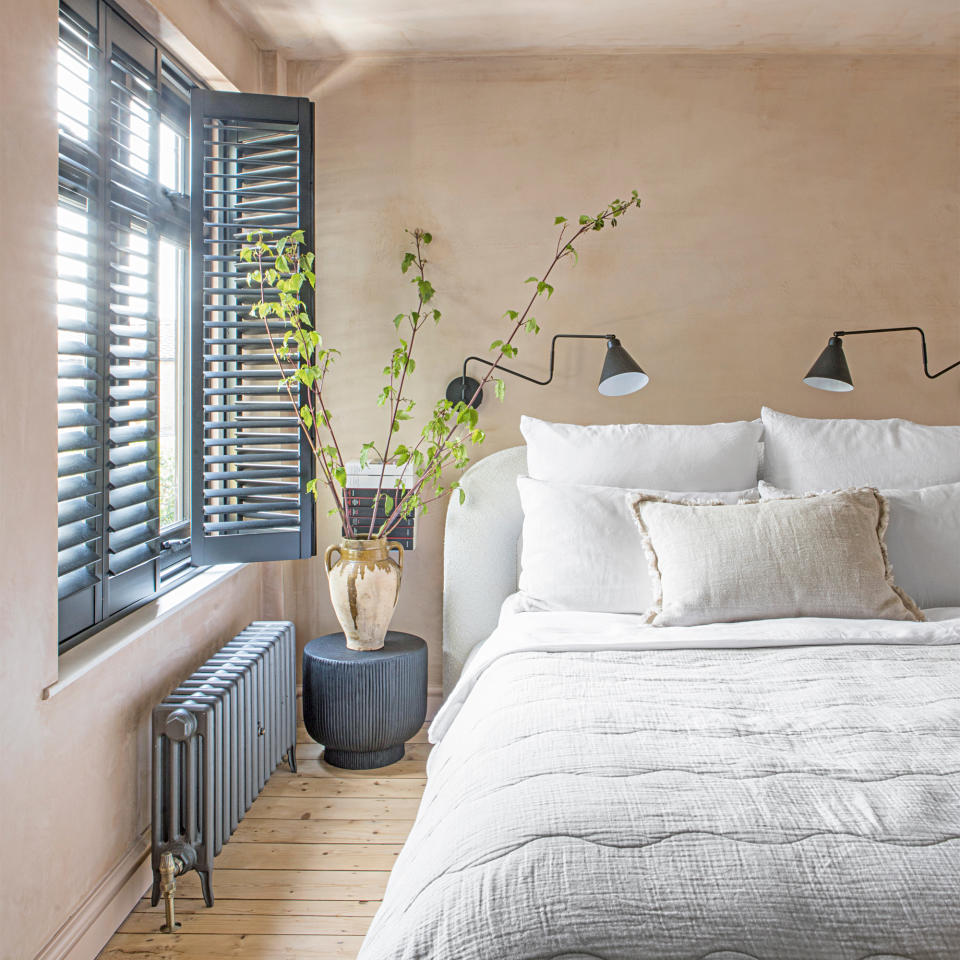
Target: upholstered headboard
(480, 555)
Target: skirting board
(95, 921)
(434, 701)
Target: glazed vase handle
(326, 556)
(393, 545)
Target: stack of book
(360, 492)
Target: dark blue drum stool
(363, 705)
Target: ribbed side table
(363, 705)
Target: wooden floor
(303, 874)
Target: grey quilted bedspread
(767, 804)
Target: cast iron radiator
(216, 740)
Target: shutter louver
(253, 156)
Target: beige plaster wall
(74, 769)
(785, 196)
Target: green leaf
(398, 319)
(558, 220)
(499, 389)
(428, 238)
(532, 326)
(306, 415)
(532, 280)
(340, 475)
(436, 316)
(496, 344)
(425, 289)
(463, 495)
(388, 503)
(584, 219)
(512, 314)
(408, 260)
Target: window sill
(85, 657)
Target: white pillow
(804, 454)
(814, 556)
(714, 456)
(581, 549)
(923, 541)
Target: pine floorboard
(303, 873)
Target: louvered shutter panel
(252, 169)
(81, 346)
(133, 522)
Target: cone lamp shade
(621, 374)
(830, 372)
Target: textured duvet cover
(781, 790)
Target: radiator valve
(170, 867)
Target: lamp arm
(923, 345)
(553, 349)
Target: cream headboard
(480, 555)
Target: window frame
(173, 563)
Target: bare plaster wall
(784, 197)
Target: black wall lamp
(831, 372)
(621, 374)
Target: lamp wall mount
(621, 373)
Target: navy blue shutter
(108, 495)
(252, 168)
(133, 484)
(80, 380)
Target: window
(174, 423)
(122, 291)
(170, 416)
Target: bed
(781, 789)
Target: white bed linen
(605, 790)
(524, 630)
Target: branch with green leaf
(281, 269)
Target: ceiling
(317, 29)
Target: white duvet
(521, 629)
(773, 790)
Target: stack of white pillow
(583, 549)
